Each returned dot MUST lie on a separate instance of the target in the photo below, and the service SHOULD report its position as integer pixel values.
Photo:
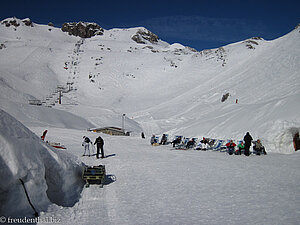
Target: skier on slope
(247, 140)
(86, 144)
(99, 141)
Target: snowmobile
(94, 175)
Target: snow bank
(50, 176)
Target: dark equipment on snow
(36, 214)
(94, 175)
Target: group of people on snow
(99, 142)
(243, 147)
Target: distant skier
(143, 135)
(247, 140)
(86, 144)
(99, 141)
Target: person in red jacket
(230, 147)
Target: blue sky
(195, 23)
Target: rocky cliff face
(82, 29)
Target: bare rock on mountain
(143, 35)
(82, 29)
(17, 22)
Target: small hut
(111, 131)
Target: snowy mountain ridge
(161, 88)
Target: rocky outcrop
(143, 35)
(16, 22)
(82, 29)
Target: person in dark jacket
(296, 141)
(176, 141)
(247, 139)
(164, 139)
(99, 141)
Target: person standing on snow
(86, 144)
(247, 139)
(99, 141)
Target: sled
(52, 144)
(94, 175)
(179, 148)
(57, 145)
(155, 144)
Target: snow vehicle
(94, 175)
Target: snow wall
(50, 175)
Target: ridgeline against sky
(198, 24)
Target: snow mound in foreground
(50, 175)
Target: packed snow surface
(161, 88)
(158, 185)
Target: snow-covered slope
(161, 88)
